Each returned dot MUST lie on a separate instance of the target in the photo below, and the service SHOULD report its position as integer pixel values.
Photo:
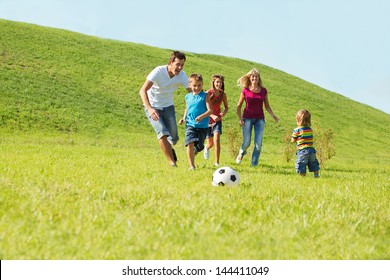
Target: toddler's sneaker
(216, 164)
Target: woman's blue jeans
(258, 127)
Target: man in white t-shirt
(157, 97)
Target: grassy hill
(56, 80)
(73, 132)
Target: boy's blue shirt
(196, 106)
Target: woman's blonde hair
(303, 117)
(245, 81)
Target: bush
(324, 145)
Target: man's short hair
(177, 54)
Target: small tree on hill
(324, 144)
(289, 148)
(233, 137)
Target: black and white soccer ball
(225, 176)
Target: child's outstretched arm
(225, 105)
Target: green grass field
(82, 176)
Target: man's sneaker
(206, 153)
(239, 159)
(174, 155)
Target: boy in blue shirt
(196, 116)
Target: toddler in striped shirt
(306, 153)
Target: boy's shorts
(217, 127)
(306, 157)
(196, 136)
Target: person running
(217, 97)
(255, 96)
(157, 97)
(196, 117)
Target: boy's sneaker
(239, 159)
(174, 155)
(206, 153)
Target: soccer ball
(225, 176)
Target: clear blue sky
(340, 45)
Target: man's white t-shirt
(161, 93)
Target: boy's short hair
(177, 54)
(196, 77)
